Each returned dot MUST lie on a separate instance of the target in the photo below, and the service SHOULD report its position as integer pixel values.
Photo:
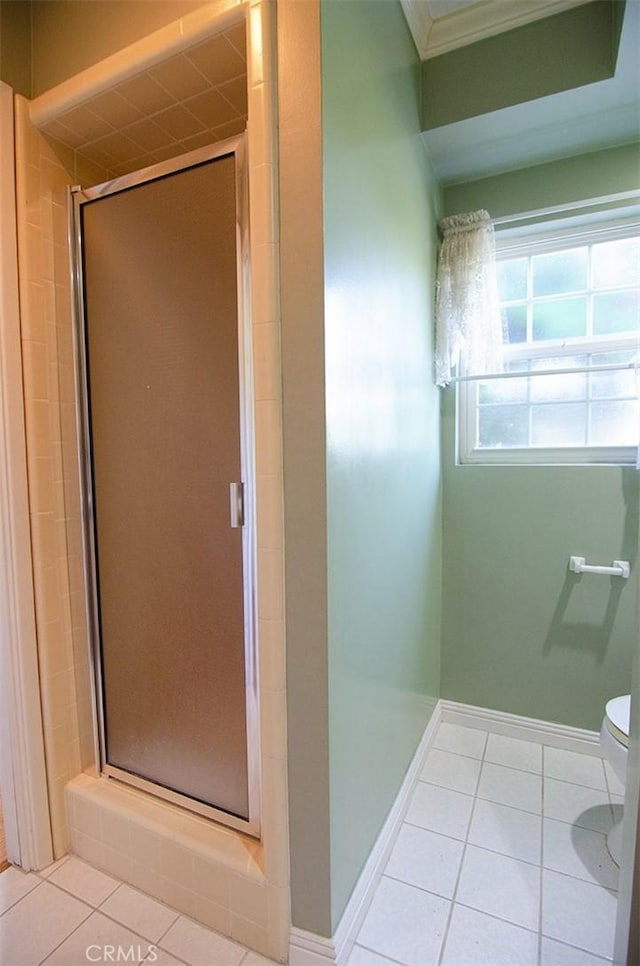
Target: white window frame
(467, 388)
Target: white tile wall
(187, 101)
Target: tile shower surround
(187, 101)
(44, 170)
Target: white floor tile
(426, 859)
(475, 939)
(199, 946)
(461, 740)
(405, 924)
(569, 766)
(440, 810)
(501, 886)
(507, 830)
(159, 957)
(45, 873)
(525, 755)
(580, 852)
(578, 913)
(83, 881)
(37, 924)
(578, 805)
(364, 957)
(507, 786)
(615, 785)
(144, 915)
(14, 885)
(554, 953)
(456, 772)
(87, 944)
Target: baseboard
(517, 726)
(309, 949)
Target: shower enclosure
(163, 367)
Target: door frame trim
(233, 146)
(22, 756)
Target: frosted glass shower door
(160, 281)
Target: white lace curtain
(467, 307)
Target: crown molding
(469, 24)
(420, 24)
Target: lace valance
(467, 305)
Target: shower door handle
(236, 504)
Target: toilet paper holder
(619, 568)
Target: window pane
(564, 424)
(613, 384)
(614, 424)
(550, 388)
(503, 391)
(616, 263)
(560, 272)
(559, 362)
(516, 316)
(503, 426)
(512, 279)
(618, 312)
(560, 319)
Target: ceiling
(588, 118)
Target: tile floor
(74, 915)
(501, 861)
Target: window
(571, 307)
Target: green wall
(562, 182)
(570, 49)
(521, 634)
(382, 423)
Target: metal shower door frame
(237, 147)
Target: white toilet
(614, 741)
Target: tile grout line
(14, 904)
(99, 908)
(93, 909)
(376, 953)
(544, 779)
(126, 925)
(445, 937)
(75, 929)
